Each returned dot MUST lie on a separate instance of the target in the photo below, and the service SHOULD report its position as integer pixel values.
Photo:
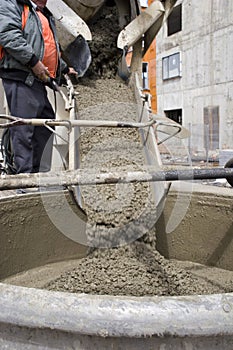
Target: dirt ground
(120, 263)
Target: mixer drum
(86, 9)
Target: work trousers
(32, 145)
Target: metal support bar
(82, 177)
(14, 121)
(177, 130)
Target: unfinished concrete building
(195, 75)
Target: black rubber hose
(229, 164)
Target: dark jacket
(23, 48)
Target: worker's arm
(11, 35)
(65, 69)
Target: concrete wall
(206, 48)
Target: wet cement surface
(135, 268)
(138, 270)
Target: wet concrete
(158, 263)
(137, 269)
(149, 266)
(134, 268)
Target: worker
(29, 59)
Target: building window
(174, 114)
(145, 76)
(171, 66)
(174, 21)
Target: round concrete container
(31, 318)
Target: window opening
(171, 66)
(175, 114)
(174, 21)
(145, 75)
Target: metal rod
(82, 177)
(13, 121)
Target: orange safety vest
(24, 21)
(50, 59)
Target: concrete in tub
(37, 319)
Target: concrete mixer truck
(73, 17)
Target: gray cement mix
(137, 270)
(118, 265)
